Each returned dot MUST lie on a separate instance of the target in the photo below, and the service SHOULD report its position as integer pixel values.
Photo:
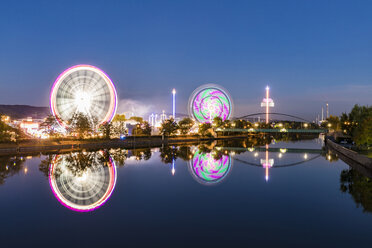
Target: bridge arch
(280, 114)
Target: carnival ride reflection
(82, 181)
(210, 168)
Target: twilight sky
(309, 52)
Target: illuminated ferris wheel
(82, 189)
(83, 89)
(210, 101)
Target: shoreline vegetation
(56, 145)
(80, 131)
(353, 130)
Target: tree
(146, 128)
(49, 124)
(332, 122)
(136, 118)
(119, 155)
(10, 166)
(8, 133)
(358, 124)
(169, 127)
(143, 128)
(119, 118)
(363, 134)
(350, 122)
(205, 128)
(217, 122)
(184, 152)
(4, 132)
(118, 129)
(106, 128)
(226, 123)
(185, 125)
(359, 187)
(143, 153)
(241, 124)
(81, 125)
(168, 154)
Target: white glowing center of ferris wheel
(83, 101)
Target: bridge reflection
(268, 162)
(211, 164)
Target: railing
(259, 130)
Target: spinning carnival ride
(83, 89)
(210, 101)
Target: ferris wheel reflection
(210, 168)
(82, 181)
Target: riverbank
(350, 154)
(38, 146)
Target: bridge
(278, 114)
(261, 130)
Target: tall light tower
(267, 102)
(267, 163)
(327, 110)
(174, 103)
(173, 168)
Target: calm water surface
(289, 194)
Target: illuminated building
(163, 116)
(152, 119)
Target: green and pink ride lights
(208, 169)
(210, 101)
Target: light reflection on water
(109, 181)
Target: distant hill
(24, 111)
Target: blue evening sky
(309, 52)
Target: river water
(286, 194)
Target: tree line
(357, 124)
